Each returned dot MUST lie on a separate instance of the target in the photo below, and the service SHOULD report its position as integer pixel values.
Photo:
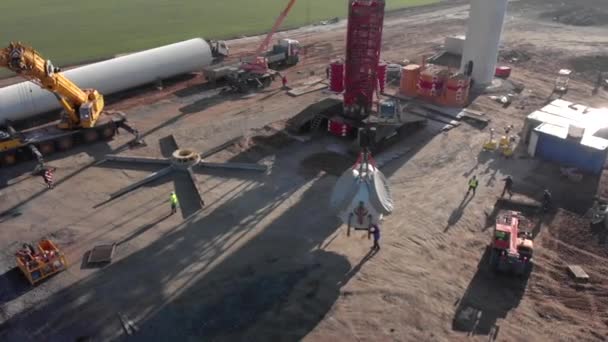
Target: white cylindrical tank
(23, 100)
(484, 29)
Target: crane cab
(286, 52)
(292, 45)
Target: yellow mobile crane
(83, 116)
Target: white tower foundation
(484, 29)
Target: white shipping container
(454, 45)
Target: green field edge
(4, 74)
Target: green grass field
(71, 31)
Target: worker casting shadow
(457, 213)
(488, 297)
(353, 271)
(142, 229)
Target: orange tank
(431, 81)
(409, 79)
(456, 91)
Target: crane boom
(82, 106)
(264, 46)
(259, 64)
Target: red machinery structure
(360, 77)
(511, 246)
(363, 44)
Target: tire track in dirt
(551, 282)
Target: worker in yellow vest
(174, 202)
(473, 182)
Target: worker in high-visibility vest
(473, 183)
(174, 202)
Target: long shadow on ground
(228, 274)
(488, 298)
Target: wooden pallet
(579, 275)
(306, 89)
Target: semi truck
(285, 53)
(257, 71)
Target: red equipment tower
(363, 44)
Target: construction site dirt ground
(267, 260)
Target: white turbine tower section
(484, 29)
(361, 196)
(26, 99)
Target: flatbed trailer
(37, 142)
(219, 72)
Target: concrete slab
(577, 272)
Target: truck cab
(285, 53)
(219, 49)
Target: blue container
(570, 153)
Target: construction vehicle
(511, 246)
(284, 54)
(255, 71)
(83, 118)
(41, 262)
(562, 82)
